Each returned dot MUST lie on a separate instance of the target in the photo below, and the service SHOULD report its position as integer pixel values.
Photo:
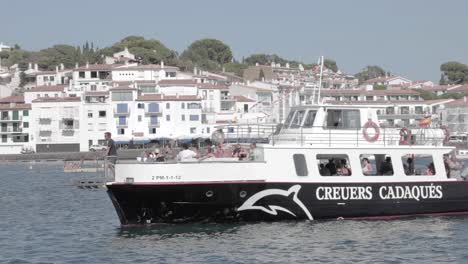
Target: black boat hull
(266, 201)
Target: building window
(152, 130)
(93, 87)
(93, 74)
(334, 165)
(418, 164)
(141, 106)
(194, 117)
(90, 115)
(4, 138)
(376, 165)
(25, 125)
(168, 118)
(139, 118)
(300, 164)
(102, 113)
(122, 108)
(183, 117)
(183, 105)
(168, 105)
(193, 130)
(153, 108)
(120, 131)
(207, 130)
(230, 130)
(25, 113)
(81, 75)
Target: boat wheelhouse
(326, 162)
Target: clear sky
(407, 37)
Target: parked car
(97, 148)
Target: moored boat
(326, 162)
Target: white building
(14, 125)
(123, 56)
(51, 78)
(4, 47)
(55, 124)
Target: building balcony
(154, 124)
(11, 118)
(150, 112)
(121, 123)
(122, 112)
(11, 130)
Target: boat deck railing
(361, 136)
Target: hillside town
(69, 109)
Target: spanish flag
(425, 121)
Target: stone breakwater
(122, 154)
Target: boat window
(297, 120)
(309, 121)
(376, 165)
(334, 165)
(300, 164)
(343, 119)
(288, 119)
(418, 164)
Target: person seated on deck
(242, 154)
(186, 154)
(219, 153)
(386, 167)
(159, 157)
(324, 171)
(366, 167)
(254, 152)
(236, 151)
(209, 154)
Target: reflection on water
(43, 219)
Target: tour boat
(325, 162)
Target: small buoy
(30, 167)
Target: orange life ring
(405, 136)
(446, 133)
(371, 124)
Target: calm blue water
(43, 219)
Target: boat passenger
(324, 171)
(331, 166)
(386, 167)
(243, 154)
(219, 153)
(209, 154)
(159, 157)
(254, 152)
(346, 170)
(236, 151)
(186, 154)
(430, 170)
(410, 166)
(366, 166)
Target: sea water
(45, 219)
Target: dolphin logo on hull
(250, 204)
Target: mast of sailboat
(320, 79)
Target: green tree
(264, 59)
(261, 75)
(454, 72)
(379, 87)
(369, 72)
(236, 68)
(148, 51)
(209, 54)
(330, 64)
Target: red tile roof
(243, 99)
(57, 99)
(463, 88)
(15, 106)
(54, 88)
(436, 88)
(212, 86)
(459, 102)
(159, 97)
(12, 99)
(181, 82)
